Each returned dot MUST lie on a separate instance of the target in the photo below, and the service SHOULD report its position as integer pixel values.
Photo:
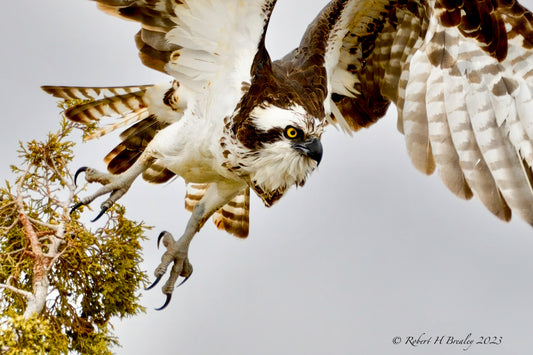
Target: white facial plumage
(278, 164)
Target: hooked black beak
(311, 148)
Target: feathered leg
(216, 196)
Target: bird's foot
(115, 185)
(177, 253)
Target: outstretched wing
(208, 46)
(461, 76)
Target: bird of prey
(460, 73)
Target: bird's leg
(216, 196)
(115, 185)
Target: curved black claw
(78, 172)
(167, 301)
(185, 279)
(75, 207)
(154, 283)
(160, 237)
(102, 211)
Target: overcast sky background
(368, 250)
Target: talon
(166, 237)
(167, 301)
(75, 207)
(102, 211)
(161, 235)
(185, 279)
(78, 172)
(176, 255)
(154, 283)
(116, 185)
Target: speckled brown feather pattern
(374, 51)
(305, 65)
(371, 54)
(459, 112)
(375, 68)
(485, 21)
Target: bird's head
(281, 147)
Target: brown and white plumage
(232, 217)
(459, 72)
(461, 77)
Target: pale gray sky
(368, 250)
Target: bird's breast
(191, 150)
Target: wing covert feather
(207, 45)
(461, 76)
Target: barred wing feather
(461, 76)
(207, 45)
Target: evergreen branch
(25, 294)
(54, 227)
(7, 229)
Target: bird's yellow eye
(291, 132)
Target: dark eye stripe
(270, 136)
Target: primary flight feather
(460, 73)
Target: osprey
(460, 73)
